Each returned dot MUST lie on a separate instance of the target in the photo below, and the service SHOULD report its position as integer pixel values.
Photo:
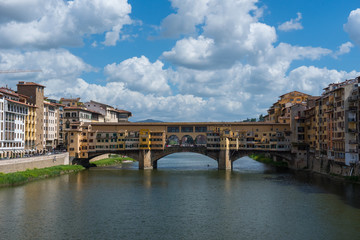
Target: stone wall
(326, 166)
(21, 164)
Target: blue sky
(181, 60)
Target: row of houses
(31, 123)
(325, 127)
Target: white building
(13, 113)
(110, 113)
(51, 125)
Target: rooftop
(21, 83)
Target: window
(187, 129)
(173, 129)
(200, 129)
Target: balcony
(353, 98)
(351, 119)
(353, 150)
(352, 108)
(353, 141)
(352, 130)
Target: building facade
(35, 92)
(13, 114)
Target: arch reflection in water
(190, 161)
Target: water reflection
(185, 198)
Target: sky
(180, 60)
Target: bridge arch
(209, 157)
(187, 141)
(171, 150)
(173, 140)
(200, 140)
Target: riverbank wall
(22, 164)
(325, 166)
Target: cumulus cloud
(229, 32)
(140, 74)
(352, 26)
(227, 64)
(194, 13)
(57, 23)
(343, 49)
(312, 79)
(54, 64)
(292, 24)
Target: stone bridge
(148, 158)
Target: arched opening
(186, 161)
(187, 141)
(200, 140)
(173, 140)
(246, 164)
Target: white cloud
(292, 24)
(140, 74)
(343, 49)
(55, 64)
(190, 52)
(312, 79)
(230, 32)
(56, 23)
(194, 13)
(352, 26)
(226, 66)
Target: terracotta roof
(69, 99)
(9, 92)
(23, 96)
(79, 108)
(29, 84)
(123, 111)
(49, 103)
(295, 92)
(22, 103)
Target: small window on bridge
(200, 129)
(187, 129)
(173, 129)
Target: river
(185, 198)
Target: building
(73, 116)
(88, 137)
(71, 102)
(35, 92)
(13, 112)
(279, 112)
(327, 127)
(30, 130)
(110, 113)
(51, 125)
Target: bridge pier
(145, 159)
(224, 161)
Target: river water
(185, 198)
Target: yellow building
(30, 129)
(279, 112)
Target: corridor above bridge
(86, 140)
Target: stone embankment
(22, 164)
(328, 167)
